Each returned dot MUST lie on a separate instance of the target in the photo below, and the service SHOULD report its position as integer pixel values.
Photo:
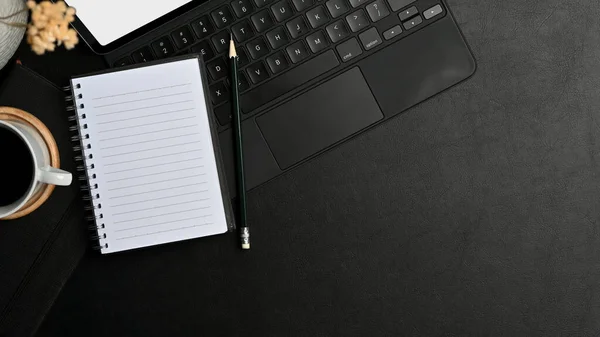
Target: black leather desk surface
(475, 213)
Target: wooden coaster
(13, 114)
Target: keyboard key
(257, 48)
(317, 41)
(257, 72)
(317, 17)
(397, 5)
(408, 13)
(392, 32)
(204, 49)
(337, 31)
(377, 10)
(370, 39)
(282, 11)
(182, 37)
(202, 27)
(288, 81)
(262, 3)
(221, 41)
(297, 52)
(242, 31)
(243, 83)
(277, 62)
(217, 68)
(337, 7)
(219, 93)
(433, 11)
(262, 21)
(277, 37)
(222, 17)
(223, 114)
(142, 55)
(297, 27)
(302, 4)
(242, 7)
(349, 50)
(122, 62)
(412, 23)
(356, 3)
(242, 57)
(357, 20)
(163, 47)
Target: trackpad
(319, 118)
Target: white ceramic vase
(10, 37)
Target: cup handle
(54, 176)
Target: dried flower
(49, 26)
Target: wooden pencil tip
(232, 51)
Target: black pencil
(239, 150)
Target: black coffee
(16, 167)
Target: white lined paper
(153, 155)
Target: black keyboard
(284, 44)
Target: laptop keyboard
(284, 44)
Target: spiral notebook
(150, 155)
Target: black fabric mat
(38, 252)
(474, 213)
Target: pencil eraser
(245, 246)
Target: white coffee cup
(43, 172)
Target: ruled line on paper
(161, 189)
(165, 231)
(143, 99)
(149, 166)
(162, 155)
(144, 116)
(154, 216)
(148, 141)
(155, 174)
(153, 123)
(145, 133)
(144, 150)
(156, 207)
(162, 223)
(161, 198)
(154, 182)
(143, 108)
(140, 91)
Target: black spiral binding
(86, 166)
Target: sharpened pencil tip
(232, 51)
